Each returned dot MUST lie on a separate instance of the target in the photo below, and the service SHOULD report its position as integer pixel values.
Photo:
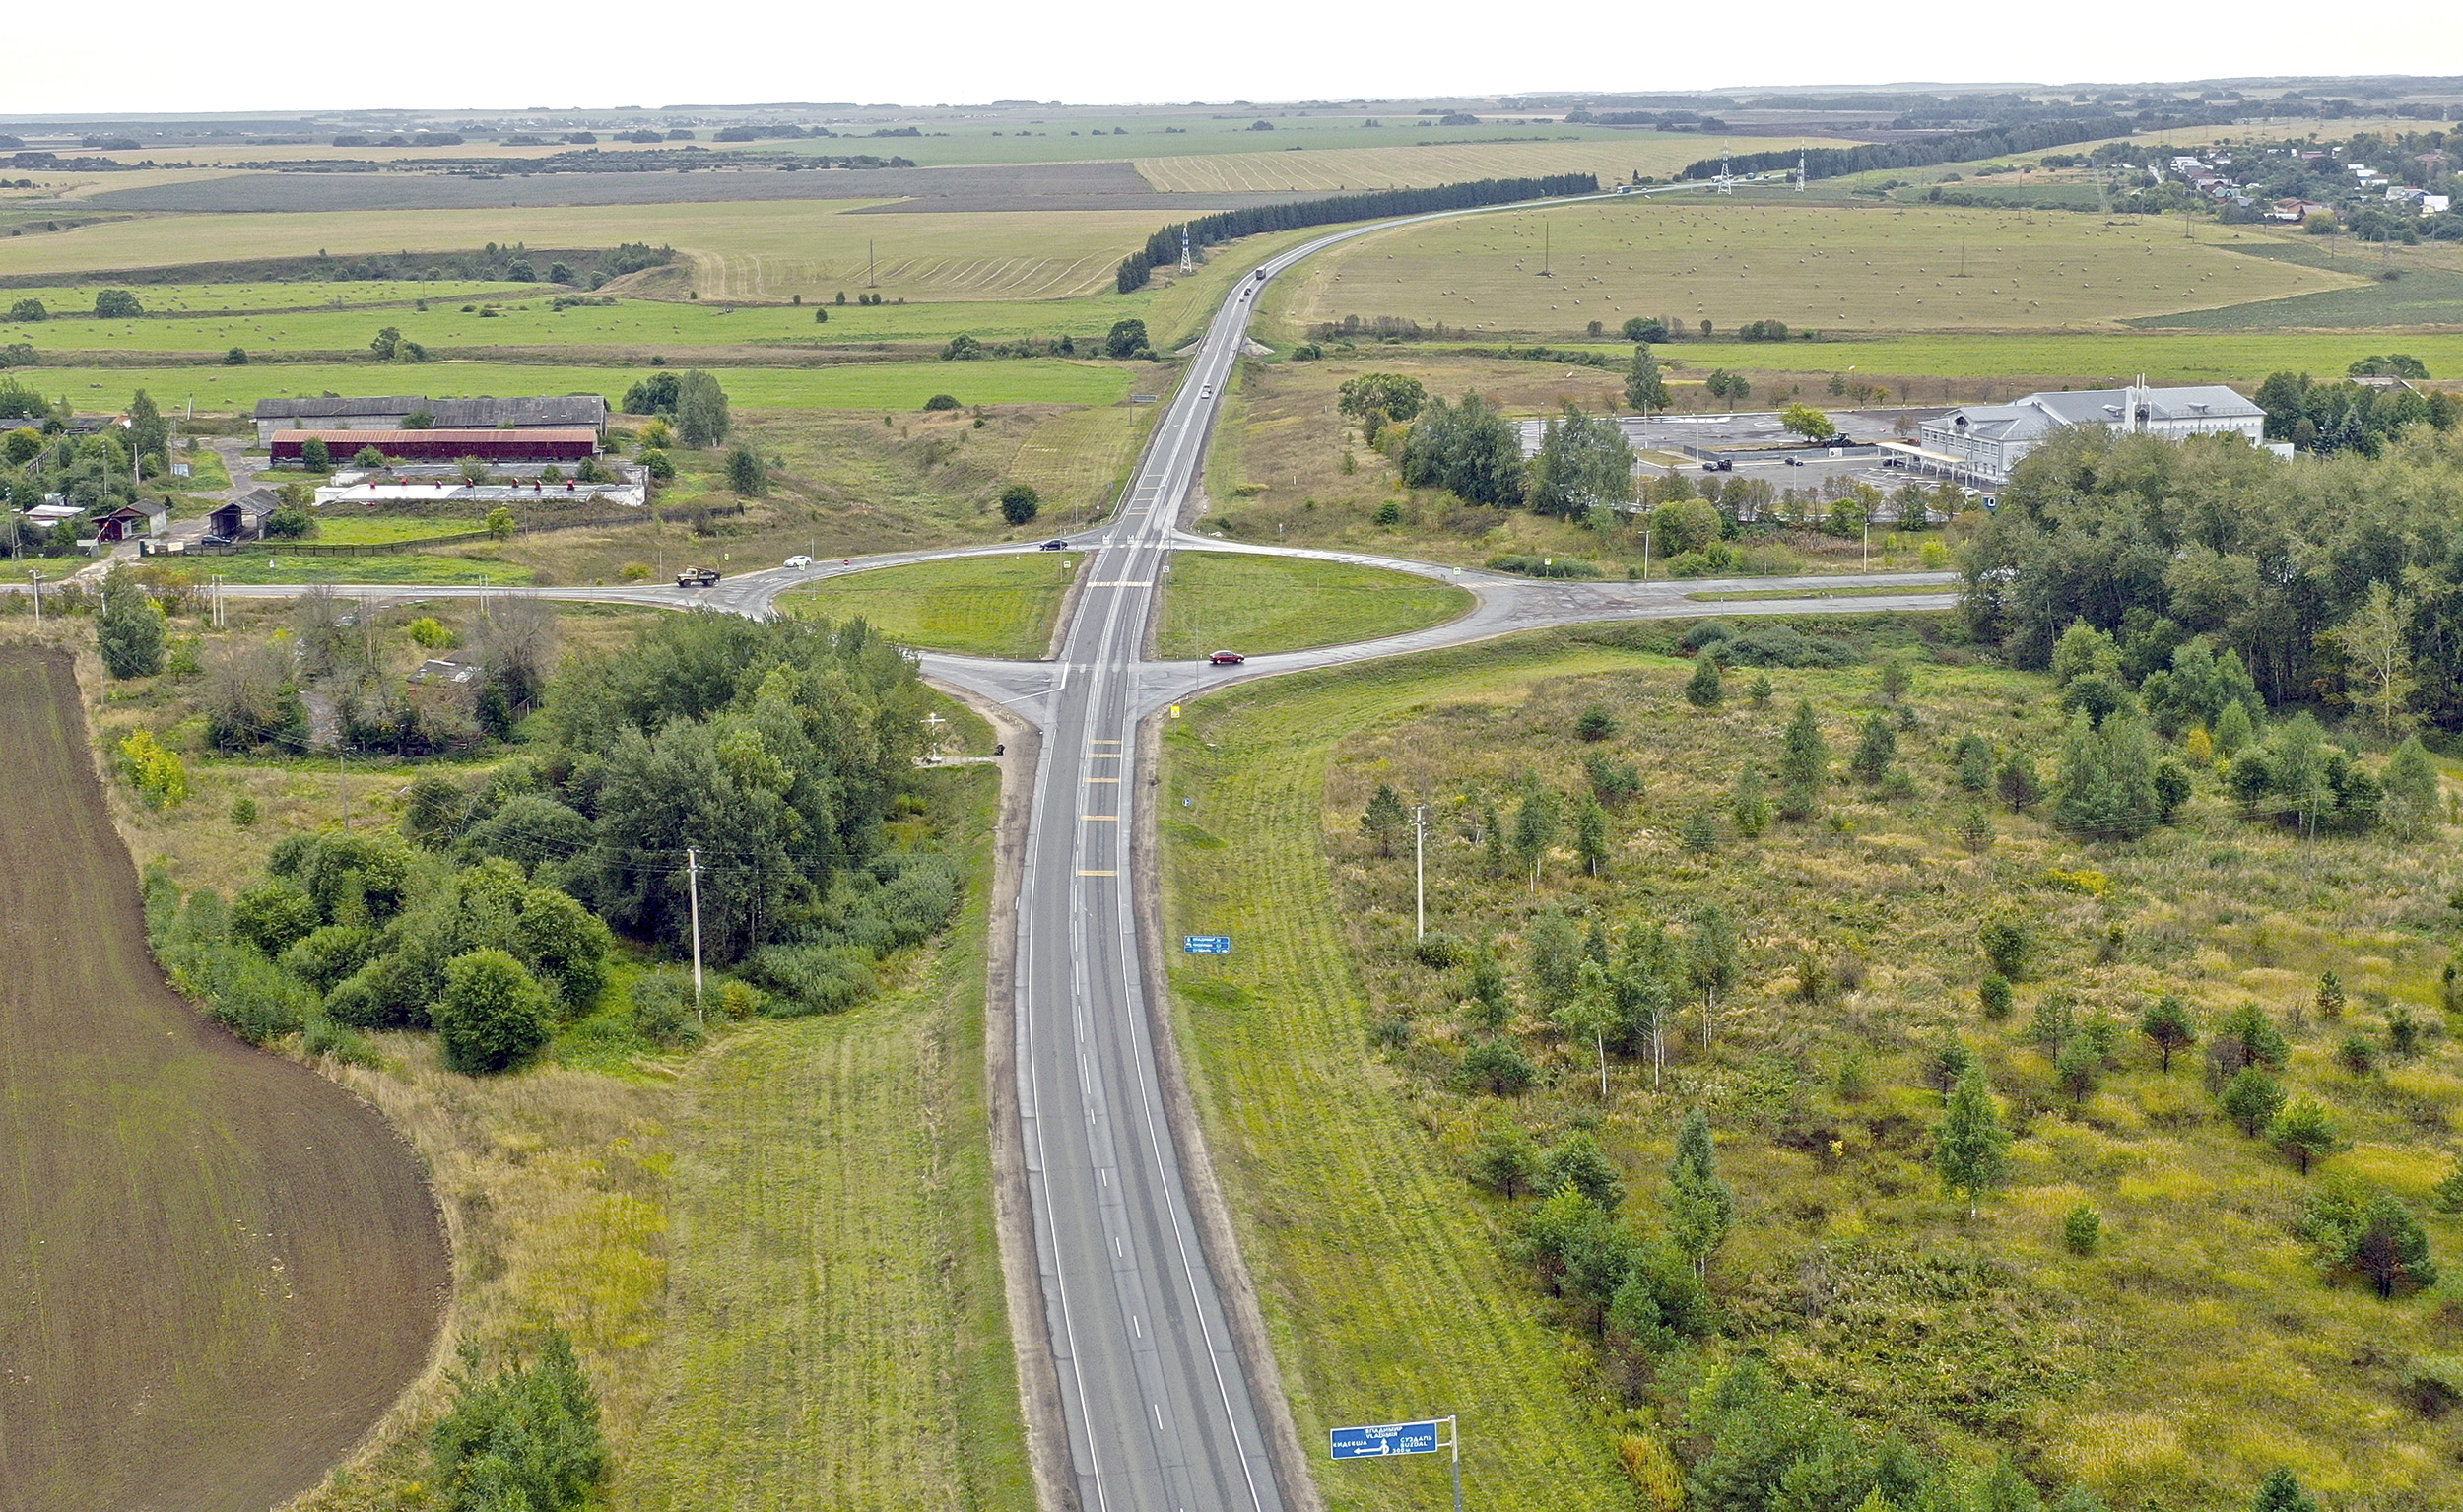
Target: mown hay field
(1834, 269)
(766, 249)
(1259, 605)
(65, 301)
(2196, 1346)
(223, 1271)
(1334, 168)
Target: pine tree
(2280, 1493)
(1701, 1206)
(2166, 1023)
(2251, 1099)
(1804, 756)
(2391, 1249)
(1972, 1149)
(1506, 1162)
(2016, 783)
(2329, 995)
(1386, 819)
(2078, 1068)
(129, 630)
(1875, 749)
(2303, 1132)
(1975, 828)
(1704, 689)
(1750, 810)
(1700, 834)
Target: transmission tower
(1188, 264)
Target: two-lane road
(1160, 1412)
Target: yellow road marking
(1098, 874)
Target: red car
(1226, 659)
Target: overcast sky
(148, 55)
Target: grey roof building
(569, 412)
(1989, 440)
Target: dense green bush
(493, 1017)
(526, 1439)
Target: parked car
(1056, 544)
(1226, 659)
(799, 561)
(697, 577)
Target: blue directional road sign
(1206, 944)
(1386, 1438)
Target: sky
(166, 57)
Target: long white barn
(1990, 438)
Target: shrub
(1019, 504)
(243, 812)
(942, 402)
(2082, 1229)
(524, 1440)
(747, 473)
(662, 1009)
(342, 1043)
(1595, 723)
(129, 629)
(1543, 566)
(273, 916)
(813, 978)
(493, 1016)
(2005, 943)
(1993, 996)
(314, 454)
(153, 771)
(1704, 689)
(1498, 1068)
(1439, 950)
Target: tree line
(2335, 580)
(1952, 146)
(1163, 249)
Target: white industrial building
(1984, 441)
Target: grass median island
(1257, 605)
(384, 567)
(973, 606)
(2122, 1313)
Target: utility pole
(39, 598)
(870, 265)
(1419, 871)
(692, 881)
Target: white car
(1208, 392)
(799, 561)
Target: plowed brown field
(217, 1271)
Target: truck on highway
(697, 577)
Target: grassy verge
(1324, 1164)
(398, 567)
(1263, 604)
(976, 606)
(836, 1333)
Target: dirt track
(217, 1271)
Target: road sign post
(1385, 1440)
(1205, 945)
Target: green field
(974, 606)
(2194, 355)
(1331, 164)
(845, 386)
(836, 1333)
(1258, 605)
(1323, 1164)
(451, 325)
(1834, 269)
(71, 305)
(381, 530)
